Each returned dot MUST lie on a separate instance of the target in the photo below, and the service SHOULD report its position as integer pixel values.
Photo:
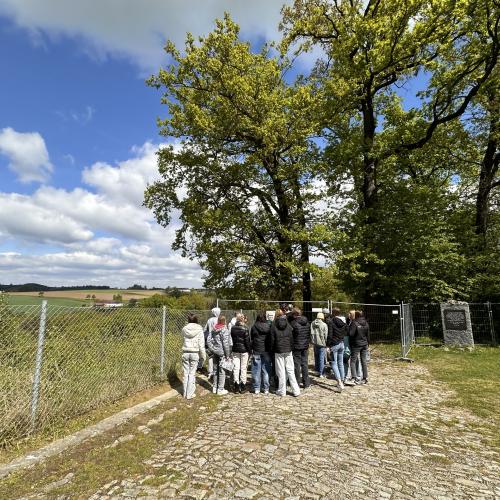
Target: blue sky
(78, 135)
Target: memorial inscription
(455, 319)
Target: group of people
(278, 349)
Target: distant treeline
(36, 287)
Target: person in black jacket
(261, 353)
(359, 339)
(241, 349)
(301, 334)
(282, 342)
(335, 342)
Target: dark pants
(356, 352)
(300, 364)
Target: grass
(475, 378)
(28, 300)
(95, 465)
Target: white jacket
(194, 341)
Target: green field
(27, 300)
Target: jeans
(240, 360)
(284, 368)
(338, 361)
(189, 364)
(219, 374)
(261, 363)
(210, 364)
(319, 358)
(300, 364)
(356, 352)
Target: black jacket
(336, 332)
(261, 337)
(301, 333)
(282, 335)
(359, 333)
(241, 338)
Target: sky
(78, 135)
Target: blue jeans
(319, 358)
(261, 363)
(338, 361)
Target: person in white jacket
(193, 350)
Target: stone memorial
(457, 325)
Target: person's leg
(266, 370)
(244, 368)
(321, 356)
(317, 354)
(222, 378)
(193, 364)
(290, 373)
(296, 364)
(185, 373)
(236, 369)
(364, 364)
(210, 366)
(304, 361)
(346, 366)
(279, 365)
(354, 361)
(216, 373)
(335, 362)
(256, 368)
(340, 360)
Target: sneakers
(192, 396)
(322, 376)
(358, 381)
(236, 388)
(341, 386)
(256, 391)
(222, 392)
(266, 393)
(364, 381)
(243, 388)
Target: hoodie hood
(191, 330)
(219, 327)
(301, 320)
(216, 311)
(281, 323)
(361, 321)
(262, 326)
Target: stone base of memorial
(457, 326)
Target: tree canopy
(276, 174)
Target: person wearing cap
(319, 334)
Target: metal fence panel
(384, 319)
(407, 331)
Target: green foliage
(192, 301)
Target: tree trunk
(489, 168)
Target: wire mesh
(384, 319)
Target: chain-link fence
(428, 324)
(57, 362)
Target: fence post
(162, 348)
(402, 329)
(38, 364)
(492, 325)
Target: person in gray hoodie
(319, 334)
(209, 326)
(219, 343)
(193, 350)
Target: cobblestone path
(392, 438)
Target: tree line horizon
(283, 178)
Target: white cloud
(101, 237)
(82, 117)
(22, 217)
(136, 31)
(27, 154)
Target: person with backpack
(262, 348)
(336, 344)
(240, 337)
(359, 338)
(319, 334)
(219, 344)
(301, 334)
(282, 344)
(193, 350)
(208, 328)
